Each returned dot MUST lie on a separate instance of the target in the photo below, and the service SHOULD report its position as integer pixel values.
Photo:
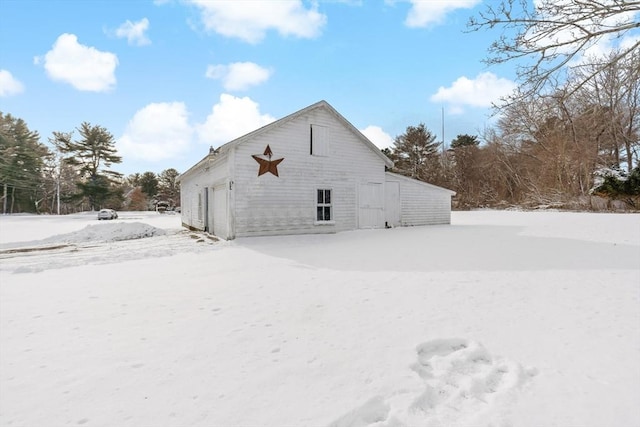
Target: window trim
(331, 219)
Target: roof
(224, 149)
(415, 181)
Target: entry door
(371, 205)
(220, 211)
(392, 203)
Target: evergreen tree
(168, 187)
(465, 141)
(93, 154)
(415, 153)
(620, 185)
(133, 179)
(22, 162)
(149, 184)
(466, 169)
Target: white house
(309, 172)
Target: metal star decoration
(269, 165)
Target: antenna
(443, 148)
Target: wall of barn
(422, 203)
(286, 204)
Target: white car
(107, 214)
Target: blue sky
(170, 78)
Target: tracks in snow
(51, 256)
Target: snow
(504, 318)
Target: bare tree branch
(553, 35)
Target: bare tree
(614, 97)
(555, 34)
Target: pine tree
(415, 153)
(22, 161)
(168, 187)
(149, 184)
(93, 154)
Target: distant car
(107, 214)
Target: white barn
(309, 172)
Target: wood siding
(241, 203)
(421, 203)
(286, 204)
(201, 181)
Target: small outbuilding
(309, 172)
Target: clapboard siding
(350, 166)
(422, 203)
(287, 204)
(207, 176)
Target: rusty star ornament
(269, 165)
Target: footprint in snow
(462, 384)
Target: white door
(219, 205)
(371, 205)
(392, 203)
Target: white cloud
(230, 118)
(378, 136)
(9, 85)
(250, 20)
(83, 67)
(424, 13)
(482, 91)
(239, 75)
(134, 32)
(158, 131)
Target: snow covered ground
(501, 319)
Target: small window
(318, 145)
(323, 210)
(199, 206)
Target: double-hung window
(323, 210)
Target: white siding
(219, 204)
(287, 204)
(421, 203)
(241, 203)
(194, 186)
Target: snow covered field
(501, 319)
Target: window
(324, 206)
(199, 206)
(318, 144)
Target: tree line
(75, 174)
(570, 130)
(553, 149)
